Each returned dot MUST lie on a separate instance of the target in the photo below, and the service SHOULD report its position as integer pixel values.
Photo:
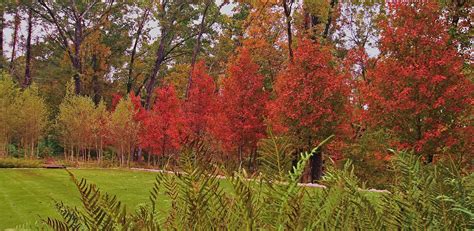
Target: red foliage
(240, 120)
(312, 96)
(139, 110)
(116, 97)
(199, 108)
(417, 89)
(163, 124)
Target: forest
(323, 109)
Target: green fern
(276, 154)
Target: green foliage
(8, 92)
(370, 156)
(276, 154)
(23, 117)
(424, 198)
(123, 129)
(81, 125)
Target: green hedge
(19, 163)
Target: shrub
(19, 163)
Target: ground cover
(26, 195)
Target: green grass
(26, 195)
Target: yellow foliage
(23, 116)
(178, 77)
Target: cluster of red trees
(415, 90)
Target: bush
(19, 163)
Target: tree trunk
(160, 53)
(197, 47)
(2, 19)
(328, 23)
(27, 80)
(316, 162)
(76, 59)
(96, 91)
(134, 51)
(16, 27)
(287, 10)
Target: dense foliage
(420, 199)
(127, 82)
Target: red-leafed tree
(240, 120)
(199, 107)
(417, 89)
(312, 99)
(163, 124)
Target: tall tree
(16, 30)
(197, 47)
(199, 107)
(27, 80)
(288, 8)
(312, 100)
(178, 31)
(163, 125)
(74, 22)
(319, 17)
(417, 89)
(138, 36)
(2, 25)
(240, 121)
(169, 13)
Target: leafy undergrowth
(424, 197)
(20, 163)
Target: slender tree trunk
(2, 22)
(160, 55)
(95, 81)
(134, 51)
(27, 80)
(197, 47)
(287, 7)
(76, 59)
(16, 28)
(328, 23)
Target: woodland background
(141, 82)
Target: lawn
(27, 195)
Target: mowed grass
(27, 195)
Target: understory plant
(424, 197)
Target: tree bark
(96, 91)
(27, 80)
(160, 55)
(134, 50)
(197, 47)
(328, 23)
(2, 19)
(316, 162)
(16, 27)
(287, 10)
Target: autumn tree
(311, 100)
(31, 120)
(240, 121)
(8, 93)
(163, 125)
(73, 23)
(23, 117)
(124, 130)
(199, 108)
(417, 89)
(81, 126)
